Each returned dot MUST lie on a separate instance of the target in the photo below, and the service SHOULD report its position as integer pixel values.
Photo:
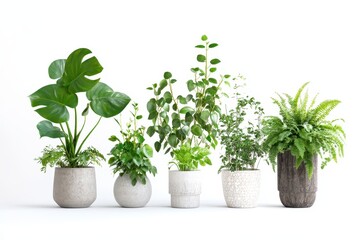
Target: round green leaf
(151, 105)
(213, 80)
(163, 84)
(205, 115)
(54, 100)
(157, 146)
(186, 109)
(196, 130)
(176, 123)
(150, 131)
(204, 37)
(172, 139)
(212, 45)
(57, 68)
(148, 151)
(215, 61)
(190, 85)
(200, 46)
(201, 58)
(167, 97)
(167, 75)
(212, 69)
(105, 102)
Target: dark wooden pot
(295, 188)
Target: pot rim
(184, 171)
(246, 170)
(88, 167)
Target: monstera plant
(53, 102)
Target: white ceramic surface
(74, 187)
(185, 188)
(241, 188)
(127, 195)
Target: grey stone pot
(241, 188)
(127, 195)
(185, 188)
(74, 187)
(295, 188)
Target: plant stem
(82, 127)
(87, 136)
(75, 128)
(71, 140)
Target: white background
(277, 45)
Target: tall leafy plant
(131, 155)
(303, 129)
(53, 102)
(241, 135)
(187, 125)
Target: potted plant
(187, 125)
(130, 157)
(296, 138)
(74, 181)
(242, 139)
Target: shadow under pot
(129, 196)
(295, 188)
(74, 187)
(185, 188)
(241, 188)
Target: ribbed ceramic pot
(74, 187)
(127, 195)
(241, 188)
(185, 188)
(296, 190)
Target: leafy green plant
(131, 155)
(54, 101)
(188, 121)
(304, 130)
(241, 135)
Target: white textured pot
(185, 188)
(74, 187)
(241, 188)
(127, 195)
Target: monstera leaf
(76, 73)
(105, 102)
(54, 99)
(57, 68)
(47, 129)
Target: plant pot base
(297, 199)
(185, 201)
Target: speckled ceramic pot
(74, 187)
(185, 189)
(241, 188)
(127, 195)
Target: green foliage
(241, 135)
(188, 158)
(54, 101)
(189, 120)
(304, 130)
(131, 155)
(57, 157)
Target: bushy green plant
(241, 135)
(131, 155)
(54, 101)
(303, 129)
(188, 121)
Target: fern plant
(304, 130)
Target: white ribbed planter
(185, 188)
(127, 195)
(74, 187)
(241, 188)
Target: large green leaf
(57, 68)
(77, 71)
(105, 102)
(54, 100)
(46, 129)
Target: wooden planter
(295, 188)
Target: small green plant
(131, 155)
(188, 122)
(304, 130)
(241, 135)
(54, 101)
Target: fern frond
(298, 94)
(322, 110)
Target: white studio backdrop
(276, 45)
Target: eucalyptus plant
(131, 155)
(53, 102)
(241, 135)
(303, 129)
(187, 124)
